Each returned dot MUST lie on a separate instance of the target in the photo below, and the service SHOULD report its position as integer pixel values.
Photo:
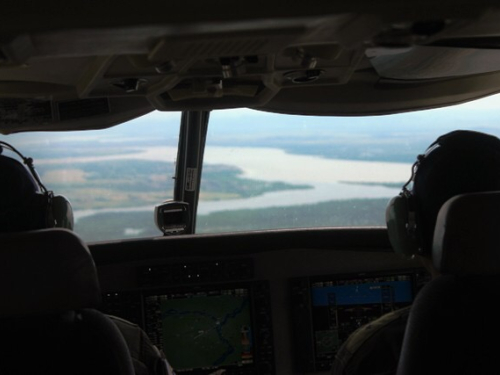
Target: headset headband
(56, 210)
(28, 162)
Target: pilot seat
(48, 318)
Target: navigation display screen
(215, 325)
(201, 331)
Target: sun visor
(433, 62)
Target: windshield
(284, 171)
(113, 177)
(260, 171)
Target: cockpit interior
(229, 165)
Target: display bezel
(262, 361)
(304, 315)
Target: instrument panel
(270, 312)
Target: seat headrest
(46, 271)
(467, 235)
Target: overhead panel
(354, 59)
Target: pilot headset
(458, 150)
(42, 209)
(400, 218)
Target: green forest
(355, 212)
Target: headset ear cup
(396, 217)
(62, 212)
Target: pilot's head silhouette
(25, 203)
(456, 163)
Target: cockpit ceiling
(72, 69)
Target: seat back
(453, 325)
(48, 321)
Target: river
(331, 179)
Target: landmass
(354, 212)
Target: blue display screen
(368, 292)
